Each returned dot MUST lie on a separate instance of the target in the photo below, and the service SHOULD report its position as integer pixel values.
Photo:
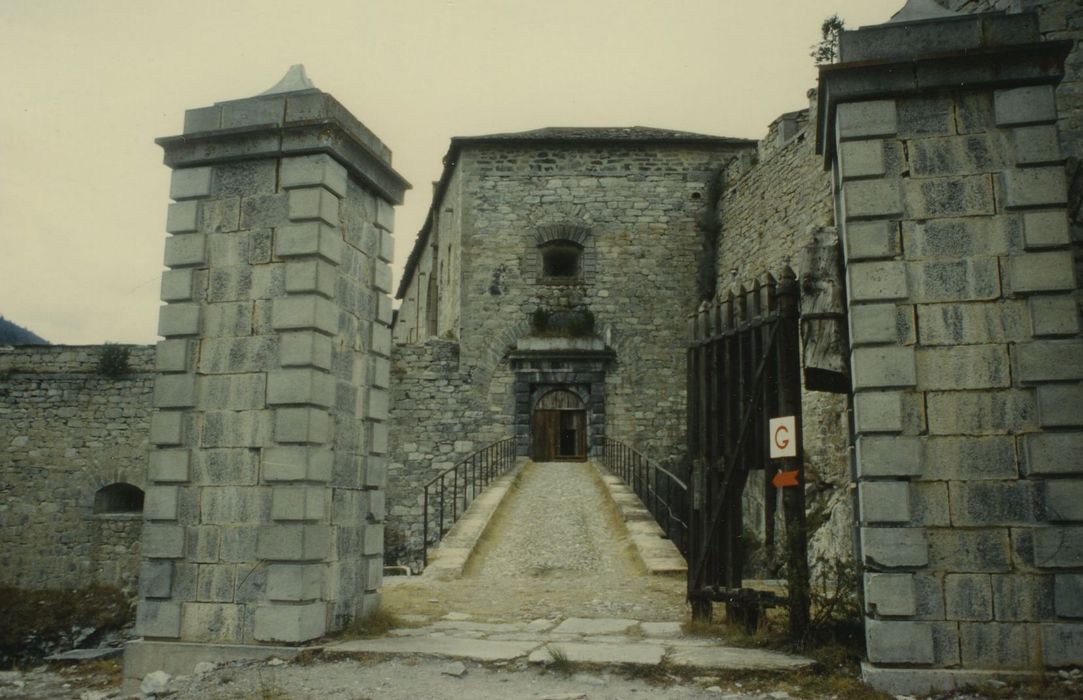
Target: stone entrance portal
(559, 397)
(559, 428)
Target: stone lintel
(270, 140)
(1002, 66)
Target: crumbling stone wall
(769, 203)
(767, 208)
(65, 432)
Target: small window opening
(118, 498)
(560, 261)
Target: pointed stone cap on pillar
(295, 80)
(918, 10)
(292, 118)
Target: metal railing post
(482, 466)
(660, 491)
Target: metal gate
(743, 370)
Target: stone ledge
(660, 557)
(448, 560)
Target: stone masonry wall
(65, 432)
(437, 275)
(436, 421)
(1057, 19)
(766, 210)
(961, 417)
(967, 357)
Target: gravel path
(556, 548)
(555, 523)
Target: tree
(827, 51)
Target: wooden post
(824, 334)
(789, 400)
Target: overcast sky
(89, 85)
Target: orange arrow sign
(784, 479)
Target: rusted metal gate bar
(744, 368)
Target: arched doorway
(559, 424)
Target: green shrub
(575, 323)
(114, 360)
(826, 51)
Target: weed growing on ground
(97, 674)
(559, 661)
(376, 624)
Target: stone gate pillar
(264, 504)
(966, 350)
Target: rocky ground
(422, 678)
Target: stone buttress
(264, 502)
(951, 201)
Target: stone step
(604, 641)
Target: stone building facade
(556, 260)
(73, 461)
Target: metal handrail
(661, 491)
(468, 478)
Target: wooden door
(546, 435)
(559, 427)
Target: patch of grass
(268, 689)
(701, 628)
(97, 674)
(377, 624)
(771, 632)
(559, 661)
(38, 622)
(822, 684)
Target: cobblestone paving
(555, 549)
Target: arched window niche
(561, 253)
(561, 262)
(119, 499)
